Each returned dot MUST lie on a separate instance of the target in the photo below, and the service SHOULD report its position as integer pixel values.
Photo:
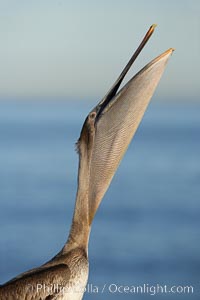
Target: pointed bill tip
(165, 55)
(169, 51)
(160, 60)
(149, 32)
(152, 27)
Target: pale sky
(76, 49)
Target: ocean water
(147, 230)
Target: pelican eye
(93, 115)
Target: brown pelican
(105, 136)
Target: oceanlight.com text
(113, 288)
(150, 289)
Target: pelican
(105, 136)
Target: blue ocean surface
(147, 230)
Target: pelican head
(106, 134)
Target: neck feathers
(81, 223)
